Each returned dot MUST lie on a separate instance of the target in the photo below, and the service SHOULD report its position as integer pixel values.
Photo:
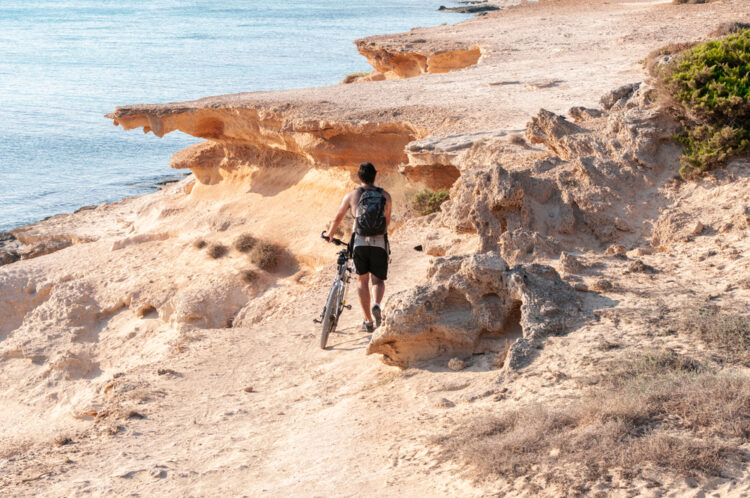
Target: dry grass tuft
(245, 242)
(729, 28)
(199, 243)
(518, 139)
(725, 331)
(661, 410)
(217, 251)
(680, 2)
(249, 276)
(265, 255)
(63, 440)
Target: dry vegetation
(724, 331)
(245, 242)
(199, 243)
(729, 28)
(518, 139)
(249, 276)
(660, 409)
(265, 255)
(217, 251)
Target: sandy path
(325, 423)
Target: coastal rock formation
(265, 160)
(417, 57)
(592, 171)
(473, 304)
(437, 161)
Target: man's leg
(378, 287)
(363, 289)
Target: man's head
(367, 173)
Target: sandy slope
(338, 423)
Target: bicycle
(336, 301)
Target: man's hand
(328, 238)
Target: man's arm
(339, 216)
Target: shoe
(378, 315)
(367, 327)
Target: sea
(66, 63)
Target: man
(371, 207)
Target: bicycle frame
(336, 301)
(342, 279)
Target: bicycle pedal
(348, 306)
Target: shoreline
(114, 199)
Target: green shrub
(712, 82)
(428, 201)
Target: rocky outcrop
(524, 246)
(471, 8)
(258, 133)
(579, 189)
(473, 304)
(266, 159)
(437, 161)
(414, 58)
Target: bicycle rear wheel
(330, 315)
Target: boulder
(474, 303)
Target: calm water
(64, 64)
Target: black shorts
(371, 260)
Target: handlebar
(336, 241)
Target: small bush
(245, 242)
(679, 2)
(249, 276)
(712, 82)
(518, 139)
(428, 201)
(217, 251)
(199, 243)
(354, 76)
(63, 440)
(659, 410)
(265, 255)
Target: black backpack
(370, 212)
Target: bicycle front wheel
(330, 315)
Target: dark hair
(367, 173)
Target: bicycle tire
(329, 315)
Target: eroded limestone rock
(474, 303)
(576, 193)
